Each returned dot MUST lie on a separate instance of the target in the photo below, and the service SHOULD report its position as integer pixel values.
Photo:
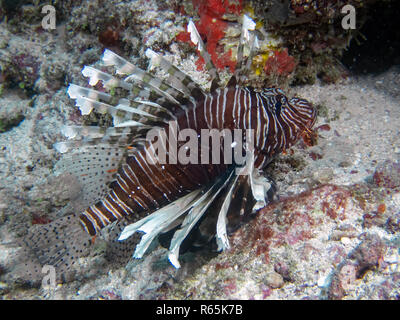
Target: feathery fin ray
(194, 206)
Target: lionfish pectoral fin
(197, 211)
(209, 209)
(158, 222)
(235, 205)
(222, 235)
(247, 192)
(211, 224)
(192, 207)
(263, 189)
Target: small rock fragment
(368, 254)
(387, 174)
(323, 175)
(347, 276)
(275, 280)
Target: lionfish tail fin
(57, 245)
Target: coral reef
(311, 30)
(280, 64)
(300, 41)
(292, 242)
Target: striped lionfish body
(153, 119)
(142, 187)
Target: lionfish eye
(280, 104)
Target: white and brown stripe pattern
(142, 187)
(137, 101)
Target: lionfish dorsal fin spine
(177, 77)
(232, 82)
(214, 85)
(136, 74)
(196, 39)
(247, 38)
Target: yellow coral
(267, 48)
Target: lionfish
(150, 199)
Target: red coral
(280, 63)
(323, 127)
(38, 219)
(315, 155)
(110, 37)
(183, 36)
(211, 27)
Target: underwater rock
(387, 174)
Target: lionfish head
(288, 119)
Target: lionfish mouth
(309, 136)
(313, 119)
